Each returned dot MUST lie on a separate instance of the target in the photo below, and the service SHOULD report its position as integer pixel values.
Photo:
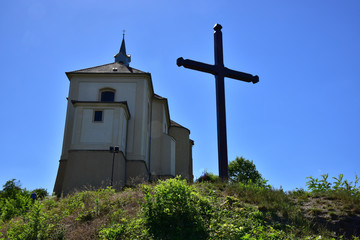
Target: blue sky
(302, 118)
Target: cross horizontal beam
(208, 68)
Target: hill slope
(173, 209)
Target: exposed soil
(335, 215)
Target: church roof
(159, 97)
(114, 68)
(175, 124)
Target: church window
(98, 116)
(107, 96)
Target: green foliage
(276, 204)
(10, 189)
(316, 185)
(208, 177)
(14, 201)
(40, 193)
(114, 232)
(339, 185)
(32, 228)
(244, 171)
(11, 207)
(238, 221)
(173, 209)
(176, 211)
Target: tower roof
(121, 56)
(114, 68)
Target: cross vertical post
(220, 103)
(220, 72)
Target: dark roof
(175, 124)
(115, 68)
(159, 97)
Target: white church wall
(162, 145)
(88, 134)
(164, 122)
(167, 155)
(124, 91)
(69, 121)
(156, 132)
(136, 149)
(135, 91)
(97, 132)
(145, 122)
(183, 165)
(123, 132)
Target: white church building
(114, 106)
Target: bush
(40, 193)
(14, 201)
(176, 211)
(115, 231)
(244, 171)
(34, 226)
(208, 177)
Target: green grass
(173, 209)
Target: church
(118, 131)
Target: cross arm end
(241, 76)
(180, 62)
(256, 79)
(199, 66)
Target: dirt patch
(331, 213)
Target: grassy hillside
(173, 209)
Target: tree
(244, 171)
(10, 189)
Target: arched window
(107, 95)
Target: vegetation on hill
(244, 171)
(175, 209)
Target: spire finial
(122, 57)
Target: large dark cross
(219, 71)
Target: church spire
(121, 57)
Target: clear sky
(302, 119)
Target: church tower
(114, 105)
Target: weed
(339, 185)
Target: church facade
(118, 131)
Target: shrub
(208, 177)
(34, 226)
(115, 231)
(176, 211)
(40, 193)
(11, 207)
